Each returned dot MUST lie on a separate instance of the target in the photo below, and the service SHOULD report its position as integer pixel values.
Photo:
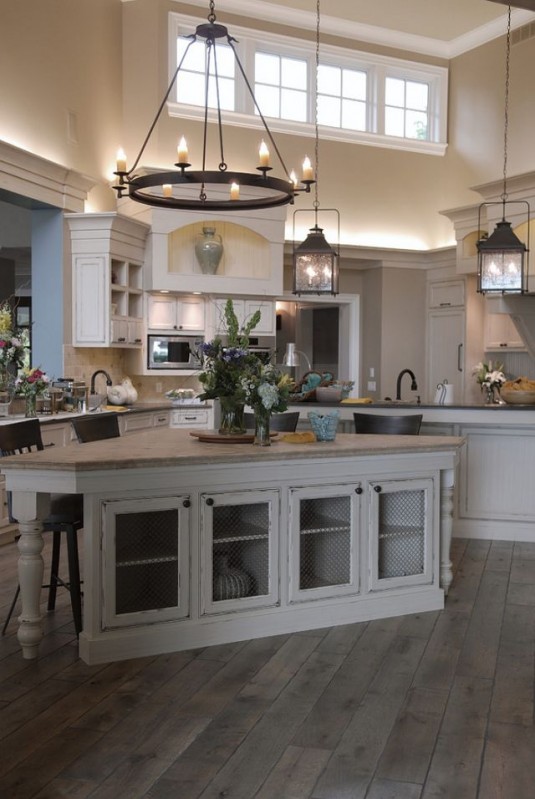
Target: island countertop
(172, 447)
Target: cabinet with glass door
(401, 519)
(324, 541)
(145, 561)
(239, 539)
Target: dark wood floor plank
(436, 670)
(23, 782)
(410, 746)
(500, 556)
(387, 789)
(192, 772)
(509, 763)
(353, 763)
(513, 696)
(326, 723)
(246, 771)
(295, 775)
(455, 765)
(480, 647)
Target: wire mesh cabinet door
(324, 541)
(402, 549)
(145, 560)
(239, 540)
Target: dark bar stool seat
(388, 425)
(96, 428)
(280, 422)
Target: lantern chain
(316, 111)
(506, 104)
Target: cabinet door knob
(358, 490)
(378, 489)
(209, 501)
(187, 503)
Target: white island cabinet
(190, 544)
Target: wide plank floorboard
(429, 706)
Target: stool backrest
(19, 437)
(282, 422)
(388, 425)
(96, 428)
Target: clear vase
(262, 436)
(231, 416)
(30, 409)
(208, 250)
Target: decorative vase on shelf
(231, 416)
(262, 436)
(229, 582)
(30, 409)
(208, 250)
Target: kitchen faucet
(109, 381)
(414, 385)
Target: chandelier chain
(211, 15)
(506, 103)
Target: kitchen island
(190, 544)
(494, 498)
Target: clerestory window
(360, 97)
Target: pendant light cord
(506, 106)
(316, 114)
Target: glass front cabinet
(324, 541)
(146, 560)
(240, 545)
(401, 524)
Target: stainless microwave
(173, 352)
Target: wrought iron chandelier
(502, 257)
(204, 189)
(315, 262)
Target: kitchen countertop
(410, 406)
(138, 407)
(164, 447)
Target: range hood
(521, 309)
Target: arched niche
(245, 252)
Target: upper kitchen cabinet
(244, 310)
(167, 312)
(501, 333)
(108, 252)
(446, 294)
(252, 260)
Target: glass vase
(30, 409)
(262, 437)
(231, 416)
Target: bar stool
(388, 425)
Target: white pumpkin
(117, 395)
(131, 393)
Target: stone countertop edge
(138, 407)
(410, 406)
(162, 448)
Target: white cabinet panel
(501, 333)
(167, 312)
(244, 309)
(447, 294)
(445, 353)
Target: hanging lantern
(315, 265)
(501, 262)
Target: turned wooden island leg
(30, 509)
(447, 478)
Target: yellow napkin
(114, 408)
(306, 437)
(358, 400)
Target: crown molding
(347, 29)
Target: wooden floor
(425, 706)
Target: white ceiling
(443, 28)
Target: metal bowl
(513, 397)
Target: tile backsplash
(81, 362)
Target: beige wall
(100, 59)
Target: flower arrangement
(266, 389)
(489, 375)
(12, 348)
(31, 381)
(224, 365)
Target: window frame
(377, 68)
